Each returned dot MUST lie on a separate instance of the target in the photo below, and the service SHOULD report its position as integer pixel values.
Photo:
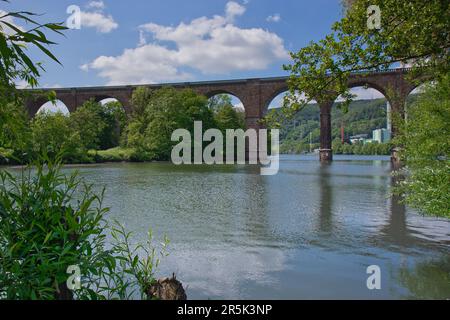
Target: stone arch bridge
(255, 94)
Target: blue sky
(137, 41)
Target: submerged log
(167, 289)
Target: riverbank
(130, 155)
(116, 154)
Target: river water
(308, 232)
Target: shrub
(50, 222)
(52, 134)
(156, 114)
(99, 125)
(117, 154)
(426, 150)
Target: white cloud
(146, 64)
(360, 93)
(239, 107)
(274, 18)
(211, 45)
(51, 107)
(96, 18)
(142, 39)
(233, 9)
(103, 23)
(108, 100)
(85, 67)
(7, 30)
(22, 84)
(365, 94)
(96, 5)
(52, 86)
(278, 101)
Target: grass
(117, 154)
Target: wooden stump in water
(167, 289)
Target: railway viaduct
(255, 94)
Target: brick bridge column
(253, 105)
(325, 151)
(398, 113)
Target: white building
(381, 135)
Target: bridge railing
(383, 71)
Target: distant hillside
(363, 117)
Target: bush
(225, 114)
(156, 114)
(50, 222)
(14, 133)
(6, 155)
(52, 134)
(99, 125)
(44, 230)
(426, 150)
(117, 154)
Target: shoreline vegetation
(127, 155)
(97, 133)
(105, 162)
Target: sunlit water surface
(308, 232)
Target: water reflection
(427, 280)
(396, 230)
(308, 232)
(325, 221)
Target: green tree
(412, 31)
(99, 126)
(14, 133)
(88, 122)
(46, 222)
(115, 119)
(225, 114)
(43, 232)
(156, 114)
(426, 150)
(15, 64)
(52, 134)
(50, 222)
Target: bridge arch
(364, 93)
(108, 100)
(367, 84)
(211, 93)
(105, 100)
(237, 103)
(274, 96)
(102, 99)
(419, 85)
(416, 90)
(44, 105)
(277, 99)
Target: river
(308, 232)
